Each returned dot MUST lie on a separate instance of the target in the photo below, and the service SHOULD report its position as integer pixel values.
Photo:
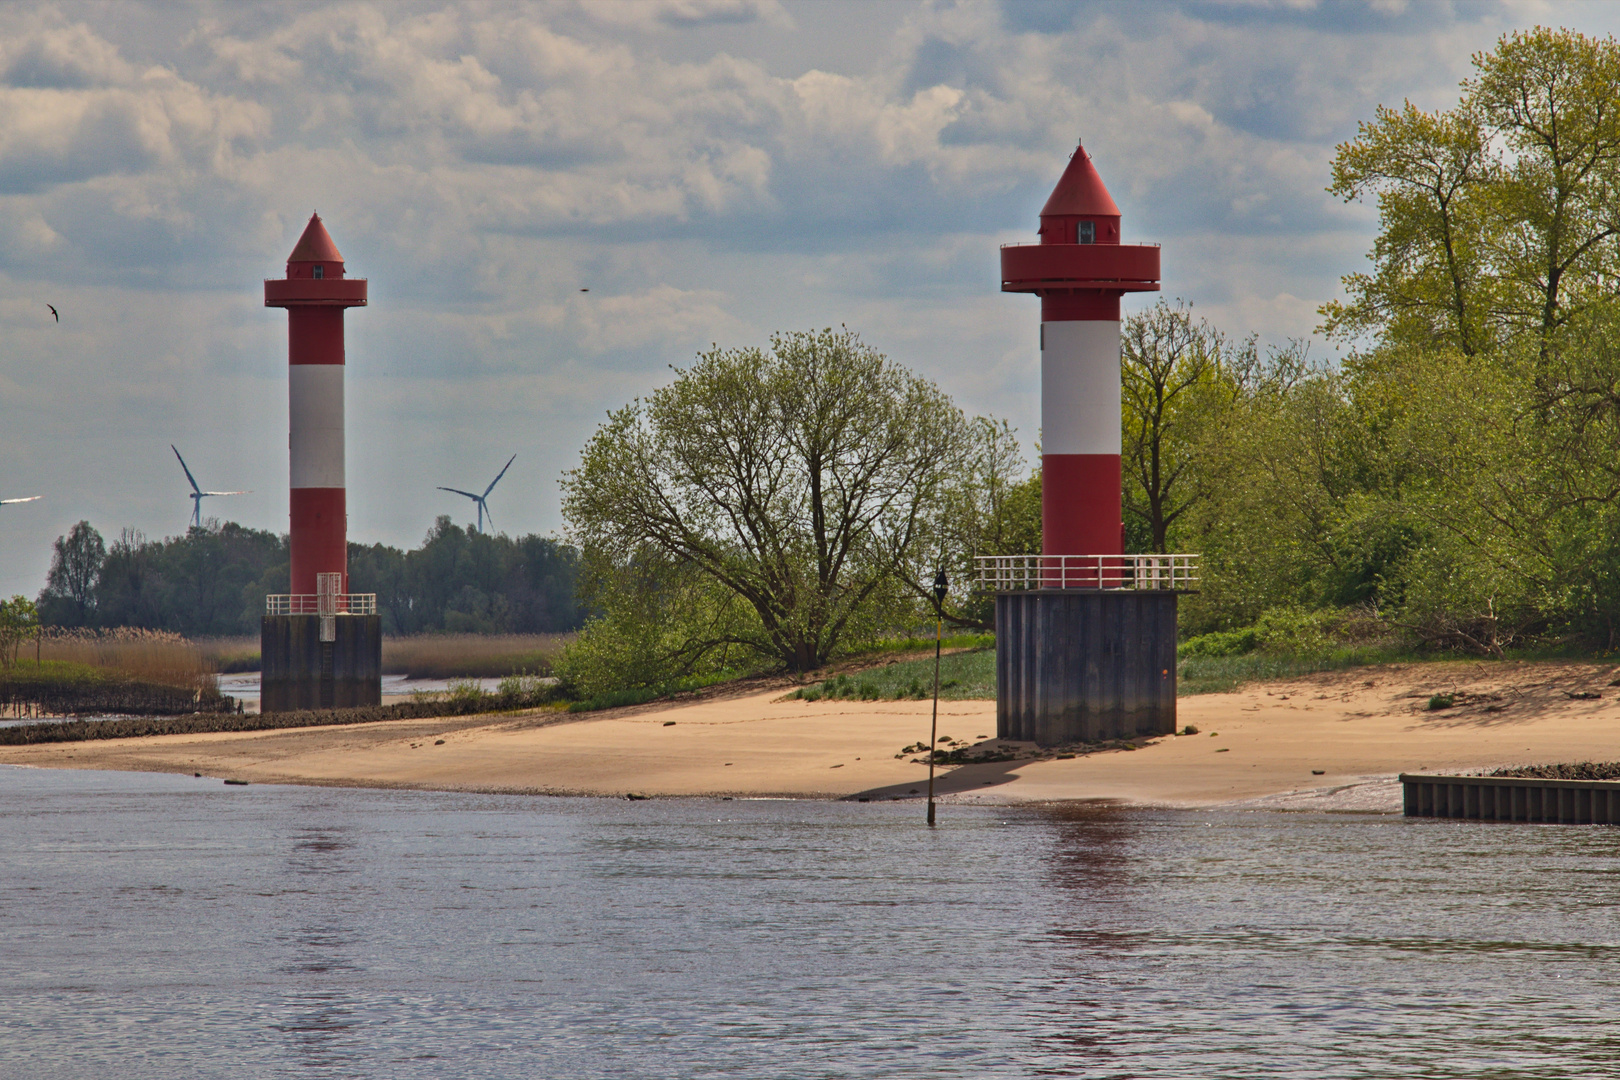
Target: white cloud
(481, 163)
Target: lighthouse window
(1088, 232)
(320, 271)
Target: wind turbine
(483, 507)
(31, 498)
(197, 493)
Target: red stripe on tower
(1080, 270)
(315, 293)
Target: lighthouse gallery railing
(1024, 573)
(310, 604)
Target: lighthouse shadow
(962, 779)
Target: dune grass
(971, 675)
(963, 676)
(471, 656)
(1224, 674)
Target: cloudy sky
(710, 170)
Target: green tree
(796, 478)
(1178, 380)
(1552, 98)
(1497, 216)
(1429, 172)
(69, 598)
(19, 622)
(989, 504)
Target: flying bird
(197, 494)
(31, 498)
(483, 508)
(54, 315)
(582, 290)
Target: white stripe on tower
(315, 414)
(1080, 387)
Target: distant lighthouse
(315, 293)
(1080, 270)
(320, 645)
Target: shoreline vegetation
(126, 671)
(512, 699)
(1330, 740)
(422, 656)
(130, 672)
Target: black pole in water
(941, 586)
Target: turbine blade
(498, 475)
(458, 491)
(193, 479)
(31, 498)
(224, 492)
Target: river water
(161, 926)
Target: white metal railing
(1022, 573)
(310, 604)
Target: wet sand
(1260, 745)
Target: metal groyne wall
(1512, 798)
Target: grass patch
(919, 644)
(963, 676)
(640, 695)
(1223, 674)
(471, 656)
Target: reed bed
(470, 656)
(228, 655)
(153, 656)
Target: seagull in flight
(54, 315)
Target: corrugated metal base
(300, 671)
(1512, 798)
(1085, 665)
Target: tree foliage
(19, 622)
(213, 580)
(1179, 380)
(1458, 474)
(803, 484)
(464, 581)
(1498, 216)
(70, 587)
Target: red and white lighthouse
(1080, 270)
(315, 292)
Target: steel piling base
(1085, 665)
(1512, 798)
(300, 671)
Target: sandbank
(1329, 740)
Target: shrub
(1220, 643)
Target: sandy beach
(1329, 740)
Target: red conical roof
(1080, 191)
(316, 244)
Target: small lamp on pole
(941, 587)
